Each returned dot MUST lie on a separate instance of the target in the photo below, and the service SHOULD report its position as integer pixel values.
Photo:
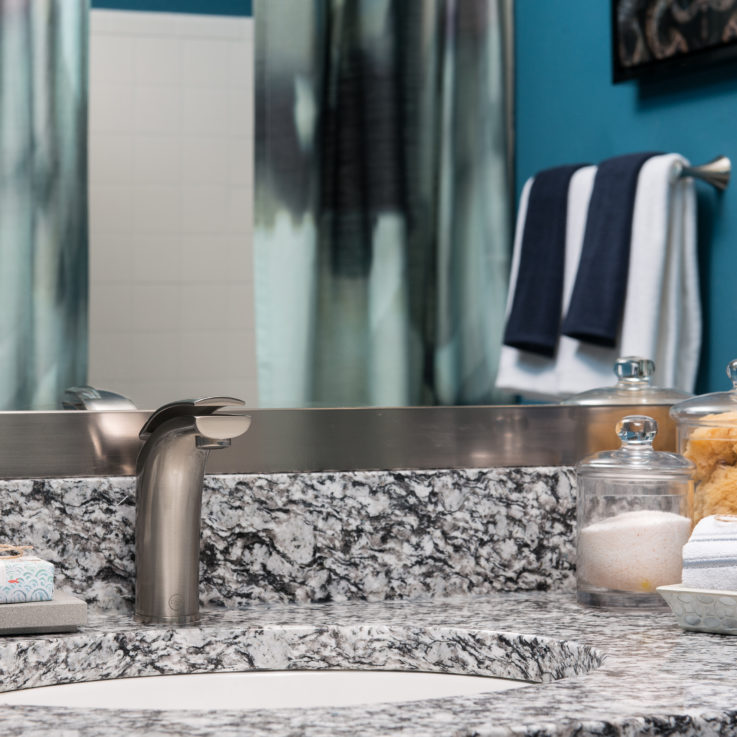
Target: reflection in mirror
(382, 201)
(171, 190)
(383, 204)
(170, 184)
(43, 201)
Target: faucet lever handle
(189, 408)
(222, 427)
(216, 402)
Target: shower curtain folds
(43, 200)
(382, 201)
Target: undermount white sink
(258, 690)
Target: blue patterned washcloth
(27, 578)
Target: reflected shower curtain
(43, 200)
(382, 201)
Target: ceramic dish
(702, 610)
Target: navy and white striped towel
(710, 555)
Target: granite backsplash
(317, 537)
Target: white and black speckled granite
(318, 537)
(621, 673)
(365, 543)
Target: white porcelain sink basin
(258, 690)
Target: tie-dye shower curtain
(43, 200)
(382, 200)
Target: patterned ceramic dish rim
(702, 617)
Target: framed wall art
(654, 37)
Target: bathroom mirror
(171, 191)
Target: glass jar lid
(634, 386)
(716, 408)
(636, 455)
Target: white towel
(710, 555)
(662, 318)
(662, 311)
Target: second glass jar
(634, 516)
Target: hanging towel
(520, 372)
(685, 310)
(597, 303)
(662, 311)
(534, 320)
(663, 307)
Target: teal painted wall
(204, 7)
(568, 110)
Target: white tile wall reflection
(171, 206)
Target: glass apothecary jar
(634, 386)
(706, 434)
(634, 517)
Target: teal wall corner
(568, 110)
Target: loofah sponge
(714, 451)
(709, 447)
(718, 494)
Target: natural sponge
(718, 494)
(714, 446)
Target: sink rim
(259, 690)
(133, 651)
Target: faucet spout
(170, 471)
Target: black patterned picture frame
(655, 37)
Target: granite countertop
(601, 672)
(461, 571)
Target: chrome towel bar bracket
(716, 172)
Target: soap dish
(64, 613)
(702, 610)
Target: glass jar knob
(637, 431)
(732, 372)
(634, 369)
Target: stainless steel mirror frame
(85, 443)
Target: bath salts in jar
(634, 517)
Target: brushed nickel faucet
(170, 470)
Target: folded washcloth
(534, 319)
(595, 312)
(710, 555)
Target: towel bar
(715, 172)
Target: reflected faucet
(87, 397)
(170, 471)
